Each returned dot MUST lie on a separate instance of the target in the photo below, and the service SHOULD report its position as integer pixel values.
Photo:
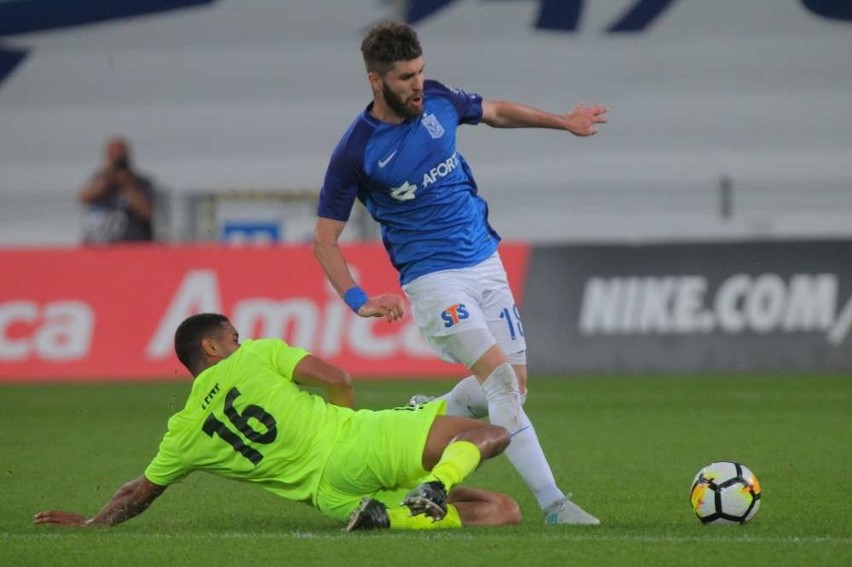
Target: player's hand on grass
(582, 119)
(60, 518)
(387, 305)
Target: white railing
(730, 208)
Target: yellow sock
(460, 458)
(400, 519)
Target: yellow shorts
(379, 454)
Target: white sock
(466, 399)
(524, 452)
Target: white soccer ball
(725, 493)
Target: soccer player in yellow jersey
(247, 419)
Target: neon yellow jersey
(247, 420)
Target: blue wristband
(355, 298)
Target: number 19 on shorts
(513, 320)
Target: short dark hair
(389, 42)
(188, 338)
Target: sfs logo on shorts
(453, 314)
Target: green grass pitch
(627, 448)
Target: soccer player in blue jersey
(399, 158)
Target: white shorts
(450, 302)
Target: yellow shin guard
(459, 459)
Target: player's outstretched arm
(580, 121)
(314, 371)
(131, 500)
(330, 258)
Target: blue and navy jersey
(414, 182)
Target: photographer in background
(119, 201)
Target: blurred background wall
(729, 119)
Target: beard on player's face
(401, 106)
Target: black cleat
(429, 498)
(369, 515)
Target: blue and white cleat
(566, 512)
(419, 400)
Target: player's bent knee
(506, 511)
(500, 439)
(490, 439)
(497, 442)
(510, 511)
(478, 507)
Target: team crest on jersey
(432, 126)
(404, 192)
